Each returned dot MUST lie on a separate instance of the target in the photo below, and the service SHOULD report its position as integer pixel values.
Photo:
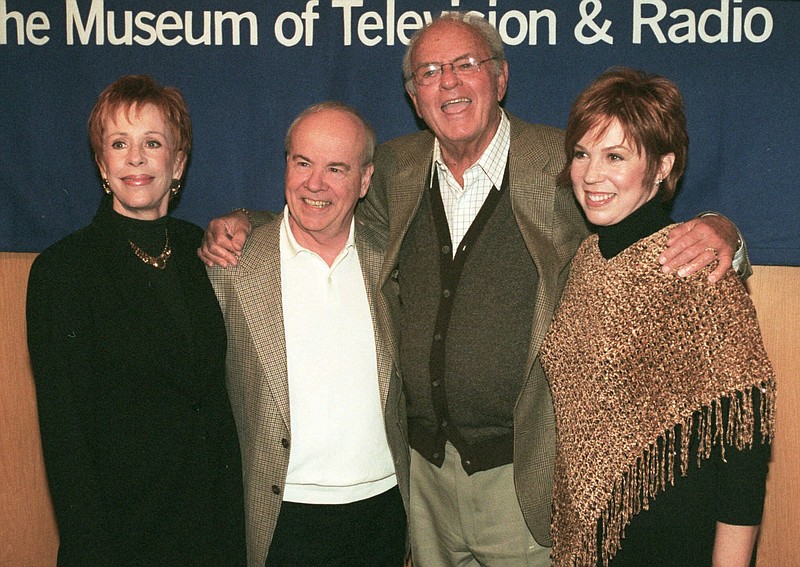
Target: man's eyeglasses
(431, 73)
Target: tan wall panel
(776, 293)
(28, 535)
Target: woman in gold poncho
(663, 393)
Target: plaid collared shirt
(461, 204)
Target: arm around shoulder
(696, 243)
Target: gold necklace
(159, 261)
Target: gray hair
(486, 31)
(369, 133)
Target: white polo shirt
(339, 452)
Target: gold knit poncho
(631, 354)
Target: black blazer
(139, 440)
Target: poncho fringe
(652, 472)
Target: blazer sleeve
(373, 209)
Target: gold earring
(106, 187)
(176, 187)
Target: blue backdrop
(247, 67)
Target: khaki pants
(457, 520)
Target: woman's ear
(179, 166)
(101, 166)
(665, 167)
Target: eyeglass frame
(473, 63)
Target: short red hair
(649, 109)
(136, 90)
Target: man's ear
(413, 97)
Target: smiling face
(463, 113)
(325, 178)
(139, 162)
(608, 175)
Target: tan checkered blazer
(552, 227)
(250, 298)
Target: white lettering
(146, 28)
(236, 20)
(37, 21)
(205, 39)
(169, 21)
(720, 16)
(26, 28)
(640, 21)
(127, 34)
(303, 25)
(389, 22)
(142, 24)
(492, 17)
(727, 23)
(347, 17)
(520, 24)
(84, 31)
(17, 17)
(407, 24)
(766, 15)
(533, 27)
(367, 22)
(309, 16)
(294, 38)
(685, 32)
(515, 26)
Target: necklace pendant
(159, 262)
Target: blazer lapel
(370, 255)
(258, 289)
(404, 192)
(532, 198)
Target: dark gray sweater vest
(465, 331)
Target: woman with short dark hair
(662, 390)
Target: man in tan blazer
(551, 228)
(309, 371)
